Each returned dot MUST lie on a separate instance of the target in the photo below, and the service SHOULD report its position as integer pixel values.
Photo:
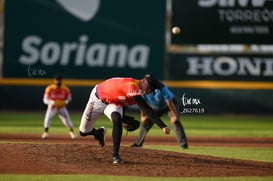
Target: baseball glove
(129, 123)
(59, 104)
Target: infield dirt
(61, 155)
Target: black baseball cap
(58, 76)
(152, 81)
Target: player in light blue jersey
(163, 101)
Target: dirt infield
(60, 155)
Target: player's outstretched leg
(116, 136)
(98, 134)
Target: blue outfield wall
(192, 101)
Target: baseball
(176, 30)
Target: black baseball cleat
(101, 136)
(185, 146)
(136, 145)
(117, 160)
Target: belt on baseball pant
(96, 94)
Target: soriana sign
(84, 39)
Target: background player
(110, 97)
(57, 96)
(162, 100)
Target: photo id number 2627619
(192, 110)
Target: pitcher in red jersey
(109, 98)
(57, 96)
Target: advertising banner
(83, 39)
(223, 21)
(221, 67)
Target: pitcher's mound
(91, 159)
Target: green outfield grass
(195, 125)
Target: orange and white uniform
(109, 96)
(57, 98)
(119, 91)
(53, 93)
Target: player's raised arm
(150, 113)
